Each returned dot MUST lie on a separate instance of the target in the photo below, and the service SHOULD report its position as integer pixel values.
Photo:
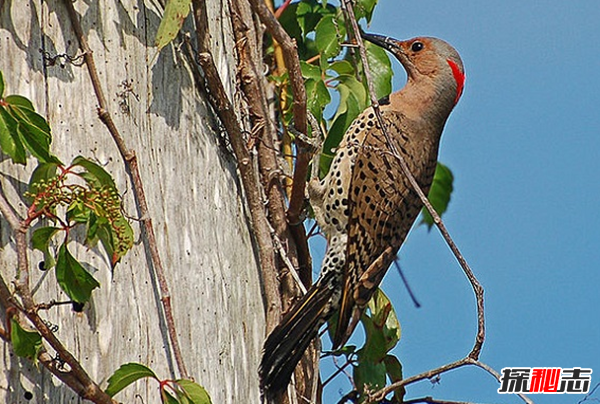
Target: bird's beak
(385, 42)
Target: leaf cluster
(93, 203)
(332, 74)
(81, 194)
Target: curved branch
(477, 288)
(380, 394)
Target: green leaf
(369, 375)
(317, 96)
(348, 86)
(94, 174)
(342, 67)
(76, 282)
(123, 241)
(192, 393)
(381, 69)
(35, 142)
(384, 318)
(1, 85)
(382, 329)
(127, 374)
(310, 71)
(289, 22)
(375, 347)
(167, 398)
(176, 11)
(26, 344)
(19, 101)
(93, 223)
(439, 193)
(309, 13)
(327, 37)
(40, 240)
(364, 8)
(10, 142)
(32, 128)
(104, 233)
(78, 212)
(393, 367)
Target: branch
(292, 63)
(9, 213)
(380, 395)
(472, 357)
(224, 110)
(131, 164)
(76, 378)
(70, 378)
(477, 288)
(252, 84)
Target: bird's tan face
(418, 56)
(425, 57)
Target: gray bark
(192, 189)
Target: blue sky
(524, 146)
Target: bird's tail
(286, 344)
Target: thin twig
(287, 262)
(472, 357)
(406, 284)
(292, 62)
(9, 214)
(494, 373)
(477, 288)
(131, 164)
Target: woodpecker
(365, 205)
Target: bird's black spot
(28, 395)
(417, 46)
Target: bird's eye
(416, 46)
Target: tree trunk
(192, 187)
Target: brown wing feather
(383, 208)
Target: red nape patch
(459, 77)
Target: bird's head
(426, 58)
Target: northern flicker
(365, 205)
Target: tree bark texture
(193, 192)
